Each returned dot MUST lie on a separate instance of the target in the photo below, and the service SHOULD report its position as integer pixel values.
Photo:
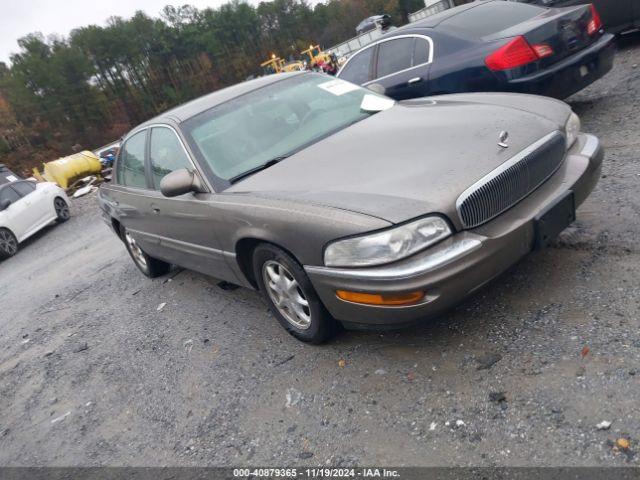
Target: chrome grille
(512, 181)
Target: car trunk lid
(555, 34)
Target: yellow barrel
(68, 169)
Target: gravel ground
(93, 372)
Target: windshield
(272, 122)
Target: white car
(25, 208)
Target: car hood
(413, 159)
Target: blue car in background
(488, 46)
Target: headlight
(572, 129)
(388, 245)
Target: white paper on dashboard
(338, 87)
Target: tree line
(61, 94)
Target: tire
(309, 323)
(149, 266)
(62, 210)
(8, 243)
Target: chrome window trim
(428, 39)
(505, 166)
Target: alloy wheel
(285, 293)
(136, 251)
(62, 209)
(8, 243)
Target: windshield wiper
(264, 166)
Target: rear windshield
(490, 18)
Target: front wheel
(8, 243)
(62, 210)
(151, 267)
(290, 295)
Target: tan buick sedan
(342, 205)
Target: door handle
(156, 210)
(414, 80)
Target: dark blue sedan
(488, 46)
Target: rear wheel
(290, 295)
(8, 243)
(151, 267)
(62, 210)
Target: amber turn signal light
(379, 299)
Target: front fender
(301, 229)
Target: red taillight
(595, 24)
(514, 54)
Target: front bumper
(572, 74)
(458, 266)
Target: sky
(21, 17)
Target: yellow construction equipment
(274, 65)
(295, 66)
(67, 169)
(316, 55)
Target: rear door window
(421, 52)
(130, 171)
(8, 193)
(394, 55)
(166, 154)
(357, 69)
(24, 188)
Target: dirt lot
(93, 372)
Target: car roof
(433, 21)
(440, 22)
(194, 107)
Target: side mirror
(377, 88)
(180, 182)
(4, 204)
